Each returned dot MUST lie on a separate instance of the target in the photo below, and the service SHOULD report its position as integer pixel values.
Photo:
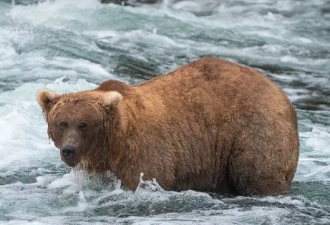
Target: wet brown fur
(211, 125)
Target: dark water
(69, 45)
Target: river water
(68, 45)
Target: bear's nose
(68, 151)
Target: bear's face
(76, 121)
(75, 127)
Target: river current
(71, 45)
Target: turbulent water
(68, 45)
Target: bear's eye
(83, 126)
(62, 125)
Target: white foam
(318, 139)
(41, 67)
(48, 12)
(314, 164)
(21, 140)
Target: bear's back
(226, 87)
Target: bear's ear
(111, 98)
(45, 98)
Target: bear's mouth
(71, 164)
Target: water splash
(148, 185)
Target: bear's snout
(68, 153)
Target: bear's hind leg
(259, 165)
(247, 179)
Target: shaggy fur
(211, 125)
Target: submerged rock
(130, 2)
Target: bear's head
(77, 121)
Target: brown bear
(211, 126)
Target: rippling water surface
(69, 45)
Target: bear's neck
(122, 138)
(120, 132)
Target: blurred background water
(71, 45)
